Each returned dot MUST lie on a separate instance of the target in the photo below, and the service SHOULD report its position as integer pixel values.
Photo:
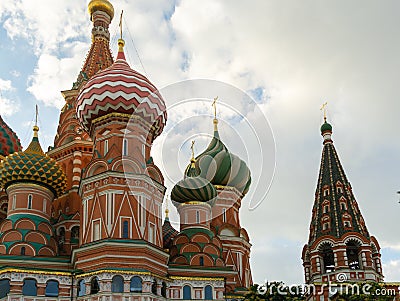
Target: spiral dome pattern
(193, 188)
(120, 89)
(223, 168)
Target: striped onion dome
(33, 166)
(120, 89)
(9, 142)
(221, 167)
(193, 188)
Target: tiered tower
(196, 250)
(73, 146)
(231, 178)
(339, 242)
(121, 188)
(32, 181)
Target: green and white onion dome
(193, 188)
(221, 167)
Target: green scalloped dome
(326, 127)
(33, 165)
(193, 188)
(221, 167)
(9, 142)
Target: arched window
(201, 259)
(105, 147)
(164, 290)
(29, 287)
(117, 284)
(125, 147)
(4, 287)
(23, 251)
(352, 252)
(154, 287)
(327, 258)
(125, 229)
(75, 234)
(51, 288)
(224, 215)
(187, 292)
(61, 236)
(136, 284)
(14, 202)
(30, 201)
(94, 286)
(208, 292)
(81, 288)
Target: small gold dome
(103, 5)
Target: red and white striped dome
(120, 89)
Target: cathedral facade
(83, 221)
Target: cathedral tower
(121, 188)
(32, 180)
(339, 242)
(73, 146)
(231, 178)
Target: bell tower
(339, 245)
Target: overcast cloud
(290, 55)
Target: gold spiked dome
(33, 166)
(103, 5)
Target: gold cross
(120, 23)
(323, 108)
(214, 104)
(192, 148)
(36, 115)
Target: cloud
(53, 74)
(392, 270)
(54, 30)
(8, 106)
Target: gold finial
(323, 108)
(166, 209)
(35, 127)
(215, 121)
(121, 42)
(192, 148)
(214, 104)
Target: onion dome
(122, 90)
(221, 167)
(326, 127)
(326, 131)
(33, 166)
(193, 188)
(168, 231)
(102, 5)
(9, 142)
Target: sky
(280, 61)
